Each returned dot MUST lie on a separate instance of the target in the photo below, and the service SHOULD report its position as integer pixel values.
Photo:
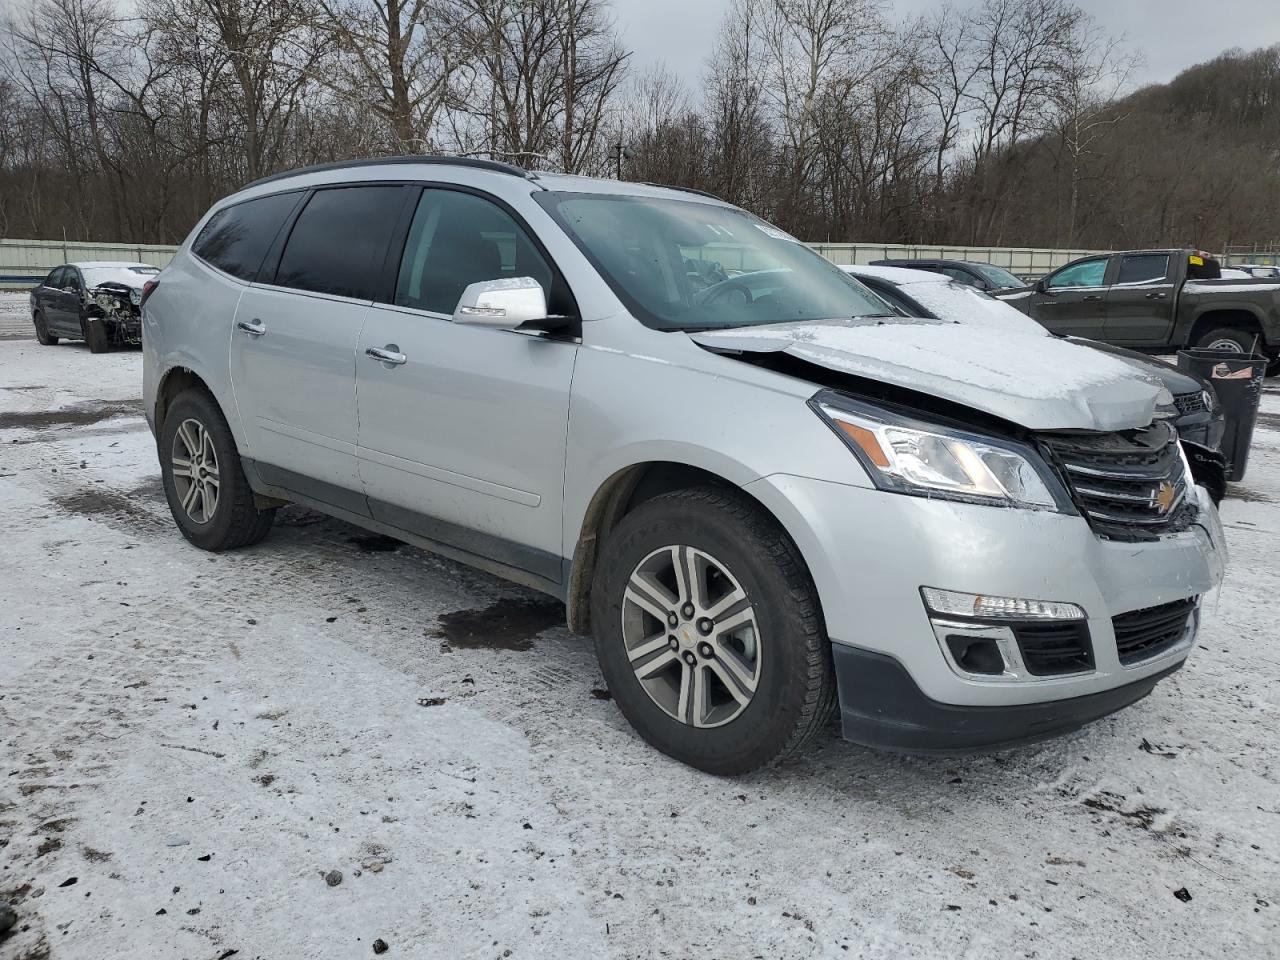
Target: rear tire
(1231, 338)
(95, 335)
(743, 568)
(42, 331)
(204, 482)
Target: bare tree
(1092, 70)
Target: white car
(1194, 407)
(767, 497)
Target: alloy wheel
(691, 636)
(1226, 345)
(194, 465)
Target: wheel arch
(618, 495)
(1238, 318)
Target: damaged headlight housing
(905, 455)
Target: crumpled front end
(118, 308)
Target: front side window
(338, 242)
(237, 238)
(903, 305)
(686, 265)
(457, 239)
(57, 278)
(1086, 273)
(1143, 268)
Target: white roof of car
(901, 276)
(114, 264)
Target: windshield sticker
(1195, 261)
(775, 233)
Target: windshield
(998, 278)
(129, 276)
(683, 265)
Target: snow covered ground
(15, 321)
(190, 743)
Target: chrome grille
(1131, 484)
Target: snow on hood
(1042, 383)
(97, 276)
(954, 301)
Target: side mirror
(1042, 286)
(506, 304)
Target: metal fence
(24, 263)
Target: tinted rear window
(339, 240)
(1143, 268)
(237, 238)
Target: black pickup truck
(1156, 301)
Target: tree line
(1000, 122)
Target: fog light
(982, 607)
(978, 655)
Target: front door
(462, 437)
(66, 302)
(1072, 301)
(1142, 300)
(293, 345)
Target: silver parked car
(762, 495)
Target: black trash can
(1237, 380)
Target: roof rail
(701, 193)
(495, 166)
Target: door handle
(1157, 296)
(390, 354)
(1092, 298)
(254, 328)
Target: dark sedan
(99, 302)
(972, 273)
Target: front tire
(95, 335)
(204, 482)
(709, 632)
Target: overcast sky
(1172, 34)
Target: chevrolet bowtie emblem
(1164, 497)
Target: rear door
(462, 439)
(1072, 300)
(1142, 299)
(294, 341)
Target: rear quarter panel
(1200, 298)
(187, 324)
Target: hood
(119, 276)
(1041, 383)
(1175, 380)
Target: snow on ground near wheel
(15, 320)
(191, 742)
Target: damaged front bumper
(899, 687)
(117, 308)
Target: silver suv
(763, 491)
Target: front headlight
(904, 455)
(1210, 400)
